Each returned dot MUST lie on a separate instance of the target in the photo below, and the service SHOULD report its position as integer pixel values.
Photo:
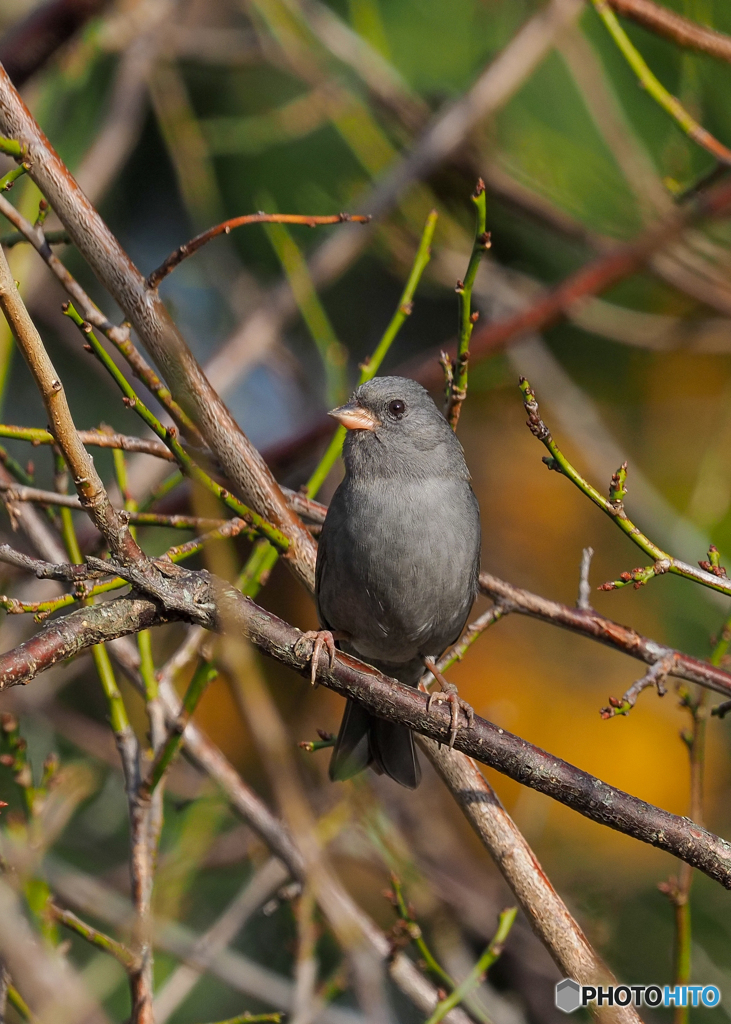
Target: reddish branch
(227, 226)
(206, 601)
(592, 624)
(675, 27)
(591, 279)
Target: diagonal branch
(673, 26)
(214, 602)
(595, 626)
(142, 305)
(91, 490)
(184, 251)
(548, 915)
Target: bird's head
(395, 429)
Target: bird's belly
(399, 592)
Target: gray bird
(398, 561)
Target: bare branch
(96, 438)
(241, 462)
(655, 676)
(176, 258)
(211, 603)
(583, 601)
(597, 627)
(88, 483)
(673, 26)
(547, 913)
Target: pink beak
(355, 417)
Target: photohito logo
(570, 995)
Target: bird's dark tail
(365, 740)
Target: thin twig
(86, 479)
(177, 257)
(675, 27)
(104, 942)
(204, 675)
(372, 364)
(655, 676)
(669, 103)
(96, 438)
(14, 238)
(614, 508)
(457, 374)
(18, 492)
(583, 601)
(488, 958)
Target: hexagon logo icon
(568, 995)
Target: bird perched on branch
(397, 563)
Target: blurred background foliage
(177, 114)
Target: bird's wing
(319, 572)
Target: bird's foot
(449, 695)
(319, 638)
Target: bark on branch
(141, 304)
(590, 623)
(210, 602)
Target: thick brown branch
(65, 637)
(546, 912)
(386, 698)
(143, 307)
(592, 624)
(675, 27)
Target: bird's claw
(448, 695)
(319, 638)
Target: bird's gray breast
(397, 565)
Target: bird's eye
(397, 408)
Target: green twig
(457, 375)
(167, 485)
(8, 180)
(669, 103)
(11, 148)
(413, 930)
(371, 365)
(488, 958)
(15, 468)
(473, 631)
(117, 711)
(92, 935)
(708, 575)
(170, 438)
(203, 675)
(333, 354)
(147, 665)
(327, 739)
(14, 997)
(248, 1018)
